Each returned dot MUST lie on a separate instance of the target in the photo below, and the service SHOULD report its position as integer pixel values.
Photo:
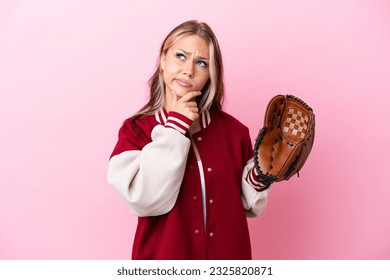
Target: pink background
(72, 71)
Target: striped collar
(205, 118)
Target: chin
(181, 92)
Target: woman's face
(185, 66)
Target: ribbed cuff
(252, 179)
(178, 121)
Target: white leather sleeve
(150, 179)
(254, 202)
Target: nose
(188, 69)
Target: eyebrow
(187, 52)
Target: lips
(183, 83)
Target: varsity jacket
(154, 168)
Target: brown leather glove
(285, 141)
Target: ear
(162, 61)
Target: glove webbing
(265, 179)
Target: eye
(180, 56)
(202, 63)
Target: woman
(184, 166)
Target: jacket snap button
(199, 138)
(211, 201)
(195, 198)
(211, 234)
(196, 232)
(209, 169)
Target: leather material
(285, 142)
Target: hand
(186, 104)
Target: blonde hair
(213, 91)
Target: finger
(192, 104)
(193, 115)
(189, 95)
(194, 109)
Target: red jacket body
(180, 230)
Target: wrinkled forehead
(192, 45)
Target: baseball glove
(285, 141)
